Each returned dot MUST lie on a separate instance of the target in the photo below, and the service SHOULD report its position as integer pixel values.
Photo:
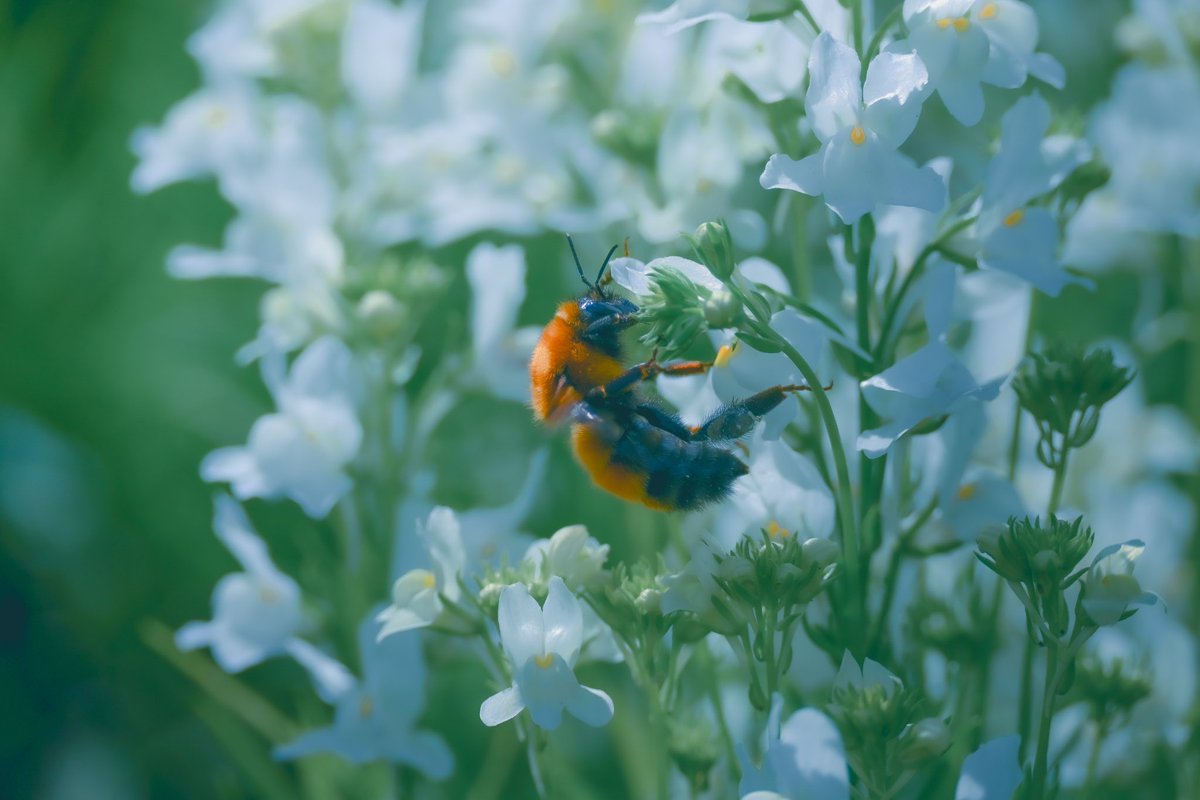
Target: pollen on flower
(726, 352)
(966, 491)
(366, 706)
(988, 11)
(544, 660)
(858, 135)
(961, 24)
(777, 531)
(704, 186)
(944, 23)
(217, 117)
(429, 580)
(1014, 219)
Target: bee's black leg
(735, 420)
(645, 371)
(664, 420)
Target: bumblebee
(631, 446)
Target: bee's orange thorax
(563, 365)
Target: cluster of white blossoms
(921, 506)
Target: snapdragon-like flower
(966, 42)
(542, 645)
(1109, 588)
(417, 595)
(302, 450)
(930, 383)
(375, 716)
(860, 125)
(256, 613)
(1014, 236)
(571, 554)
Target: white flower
(683, 14)
(380, 45)
(417, 595)
(542, 645)
(571, 554)
(992, 772)
(1109, 588)
(932, 382)
(871, 674)
(964, 42)
(501, 351)
(805, 758)
(214, 131)
(376, 716)
(257, 614)
(1013, 237)
(860, 125)
(301, 451)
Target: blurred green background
(115, 381)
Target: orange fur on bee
(595, 454)
(561, 362)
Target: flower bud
(821, 552)
(722, 310)
(714, 247)
(382, 315)
(925, 741)
(649, 601)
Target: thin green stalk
(1025, 707)
(1049, 698)
(1060, 476)
(892, 20)
(856, 22)
(1094, 756)
(845, 496)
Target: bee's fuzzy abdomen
(679, 474)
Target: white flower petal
(563, 622)
(804, 176)
(590, 706)
(521, 626)
(992, 772)
(834, 91)
(501, 707)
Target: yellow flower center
(966, 491)
(429, 580)
(217, 117)
(366, 706)
(988, 12)
(858, 135)
(777, 531)
(961, 24)
(724, 354)
(268, 594)
(544, 660)
(944, 23)
(503, 62)
(1014, 219)
(704, 186)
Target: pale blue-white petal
(814, 767)
(442, 536)
(892, 94)
(521, 626)
(380, 46)
(963, 97)
(330, 677)
(683, 14)
(853, 174)
(631, 275)
(497, 278)
(235, 532)
(804, 176)
(501, 707)
(563, 621)
(834, 92)
(194, 635)
(1047, 69)
(1012, 29)
(992, 772)
(1028, 249)
(903, 183)
(590, 706)
(237, 467)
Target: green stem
(845, 498)
(1094, 756)
(892, 20)
(1025, 709)
(1049, 697)
(1060, 476)
(856, 21)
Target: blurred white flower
(860, 124)
(301, 451)
(992, 772)
(805, 760)
(500, 350)
(375, 716)
(542, 645)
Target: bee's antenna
(604, 266)
(578, 266)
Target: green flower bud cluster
(694, 746)
(957, 631)
(764, 585)
(1039, 559)
(1064, 390)
(674, 311)
(886, 731)
(1111, 688)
